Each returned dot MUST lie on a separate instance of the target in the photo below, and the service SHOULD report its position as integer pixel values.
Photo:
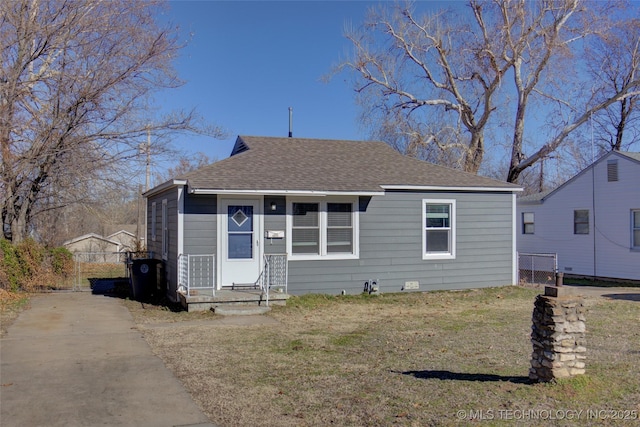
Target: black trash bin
(144, 280)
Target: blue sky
(247, 62)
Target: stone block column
(558, 335)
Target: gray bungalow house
(336, 214)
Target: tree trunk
(518, 136)
(475, 153)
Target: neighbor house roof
(631, 155)
(274, 165)
(90, 236)
(539, 198)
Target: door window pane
(240, 232)
(240, 218)
(240, 246)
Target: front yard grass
(414, 359)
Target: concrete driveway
(76, 359)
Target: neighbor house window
(165, 231)
(635, 229)
(527, 223)
(438, 236)
(320, 229)
(153, 221)
(581, 221)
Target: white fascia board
(287, 192)
(442, 188)
(164, 186)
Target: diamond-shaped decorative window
(239, 218)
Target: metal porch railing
(274, 275)
(196, 273)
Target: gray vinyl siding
(170, 264)
(390, 243)
(200, 225)
(275, 221)
(391, 247)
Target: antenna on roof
(290, 122)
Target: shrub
(10, 270)
(61, 261)
(31, 256)
(28, 266)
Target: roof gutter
(164, 186)
(212, 191)
(443, 188)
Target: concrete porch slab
(225, 297)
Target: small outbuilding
(95, 247)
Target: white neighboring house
(592, 221)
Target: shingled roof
(270, 164)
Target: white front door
(241, 237)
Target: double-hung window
(528, 223)
(305, 232)
(581, 221)
(323, 229)
(635, 229)
(439, 230)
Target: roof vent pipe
(290, 122)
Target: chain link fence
(91, 267)
(539, 269)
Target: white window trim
(355, 219)
(525, 223)
(634, 248)
(153, 221)
(165, 231)
(452, 243)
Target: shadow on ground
(627, 297)
(461, 376)
(121, 288)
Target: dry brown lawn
(418, 359)
(11, 304)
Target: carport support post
(558, 336)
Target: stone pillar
(558, 336)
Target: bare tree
(613, 61)
(184, 164)
(445, 80)
(406, 65)
(75, 98)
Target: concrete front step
(229, 298)
(240, 310)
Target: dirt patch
(419, 359)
